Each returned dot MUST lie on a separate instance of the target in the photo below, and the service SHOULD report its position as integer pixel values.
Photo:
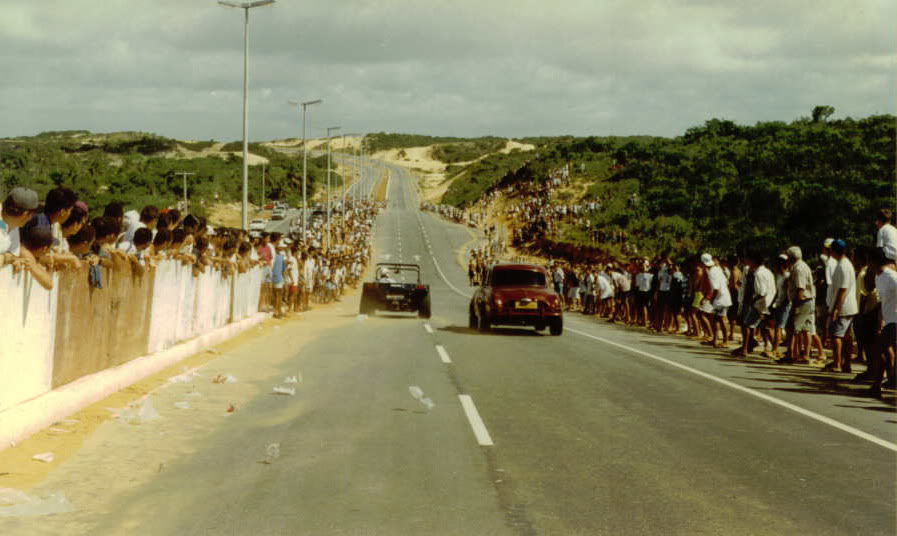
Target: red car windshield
(517, 278)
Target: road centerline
(476, 423)
(443, 354)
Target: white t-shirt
(887, 237)
(844, 276)
(9, 241)
(886, 285)
(643, 281)
(606, 286)
(830, 265)
(765, 286)
(720, 283)
(664, 279)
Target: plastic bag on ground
(145, 413)
(272, 452)
(291, 379)
(182, 405)
(46, 457)
(17, 503)
(418, 394)
(285, 391)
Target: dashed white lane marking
(443, 355)
(797, 409)
(476, 423)
(429, 328)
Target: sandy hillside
(351, 142)
(431, 172)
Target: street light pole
(184, 175)
(329, 130)
(246, 6)
(304, 216)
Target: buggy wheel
(424, 311)
(557, 326)
(483, 322)
(366, 307)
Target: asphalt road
(604, 430)
(362, 188)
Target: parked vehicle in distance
(257, 225)
(388, 293)
(516, 295)
(278, 214)
(269, 206)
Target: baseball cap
(828, 242)
(23, 198)
(838, 246)
(706, 259)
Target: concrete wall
(51, 338)
(27, 333)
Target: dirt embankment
(431, 173)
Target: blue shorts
(781, 314)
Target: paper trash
(46, 457)
(291, 391)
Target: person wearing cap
(883, 355)
(18, 208)
(717, 302)
(36, 243)
(841, 304)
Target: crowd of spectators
(58, 234)
(832, 310)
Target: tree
(821, 113)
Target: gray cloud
(451, 67)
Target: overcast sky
(454, 67)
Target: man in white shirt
(761, 294)
(719, 300)
(887, 234)
(882, 357)
(841, 303)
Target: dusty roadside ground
(107, 448)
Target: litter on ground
(46, 457)
(17, 503)
(285, 391)
(182, 405)
(138, 415)
(291, 379)
(224, 378)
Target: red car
(516, 295)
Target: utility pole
(184, 174)
(304, 216)
(262, 204)
(246, 6)
(329, 130)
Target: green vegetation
(465, 151)
(383, 141)
(721, 183)
(196, 145)
(126, 167)
(478, 177)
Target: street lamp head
(247, 5)
(309, 103)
